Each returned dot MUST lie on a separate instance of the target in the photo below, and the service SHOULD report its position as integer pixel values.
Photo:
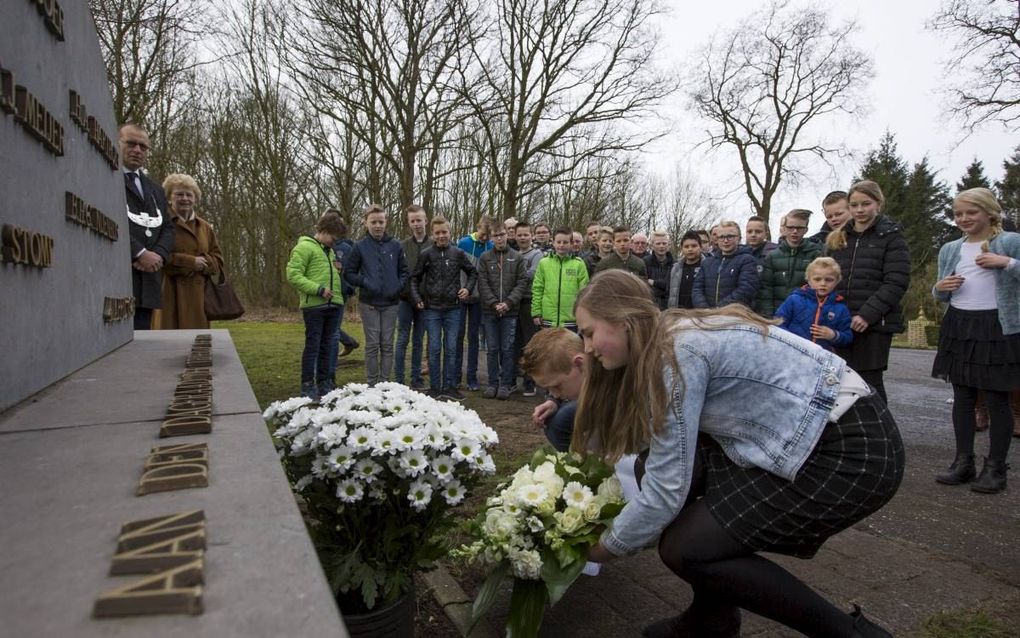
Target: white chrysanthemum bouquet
(537, 530)
(379, 470)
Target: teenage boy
(410, 318)
(591, 240)
(558, 279)
(681, 277)
(836, 210)
(436, 289)
(555, 358)
(785, 268)
(659, 265)
(622, 257)
(730, 276)
(706, 242)
(605, 248)
(542, 237)
(757, 232)
(639, 245)
(502, 280)
(474, 245)
(525, 327)
(576, 243)
(377, 266)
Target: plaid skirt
(854, 470)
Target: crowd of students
(748, 437)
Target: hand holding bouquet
(537, 530)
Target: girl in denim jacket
(979, 342)
(756, 441)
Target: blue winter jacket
(803, 308)
(726, 279)
(379, 268)
(474, 248)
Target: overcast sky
(904, 99)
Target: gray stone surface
(69, 485)
(52, 318)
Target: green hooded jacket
(311, 270)
(554, 289)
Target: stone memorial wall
(65, 275)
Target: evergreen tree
(925, 215)
(1009, 187)
(886, 168)
(973, 178)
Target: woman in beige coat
(196, 255)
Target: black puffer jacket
(876, 272)
(436, 277)
(658, 272)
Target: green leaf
(527, 607)
(487, 594)
(540, 456)
(559, 579)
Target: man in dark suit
(152, 230)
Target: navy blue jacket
(379, 268)
(802, 309)
(726, 279)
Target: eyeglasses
(133, 143)
(727, 236)
(796, 228)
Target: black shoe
(961, 471)
(688, 625)
(453, 394)
(349, 348)
(992, 479)
(864, 628)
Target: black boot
(992, 479)
(961, 471)
(864, 628)
(690, 625)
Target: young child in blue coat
(814, 311)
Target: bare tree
(984, 70)
(769, 84)
(551, 75)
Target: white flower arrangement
(537, 529)
(375, 463)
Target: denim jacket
(1007, 280)
(764, 399)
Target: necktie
(137, 180)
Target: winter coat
(311, 270)
(341, 249)
(681, 284)
(726, 279)
(474, 248)
(531, 258)
(803, 308)
(147, 287)
(658, 272)
(1007, 280)
(412, 250)
(379, 268)
(784, 273)
(555, 287)
(875, 265)
(592, 262)
(822, 234)
(437, 277)
(762, 251)
(183, 286)
(502, 277)
(632, 264)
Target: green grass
(965, 624)
(271, 355)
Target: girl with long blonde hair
(755, 440)
(979, 342)
(873, 256)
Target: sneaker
(474, 387)
(529, 391)
(504, 393)
(308, 389)
(349, 348)
(453, 394)
(490, 393)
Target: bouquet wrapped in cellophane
(537, 530)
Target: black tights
(1000, 421)
(725, 574)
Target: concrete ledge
(70, 460)
(457, 604)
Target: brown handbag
(221, 300)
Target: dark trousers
(560, 427)
(470, 325)
(339, 336)
(499, 335)
(442, 326)
(320, 328)
(526, 329)
(143, 318)
(410, 328)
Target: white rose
(592, 511)
(611, 489)
(569, 520)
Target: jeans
(379, 323)
(526, 329)
(320, 326)
(559, 428)
(499, 334)
(334, 346)
(442, 326)
(408, 316)
(470, 323)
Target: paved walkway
(932, 548)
